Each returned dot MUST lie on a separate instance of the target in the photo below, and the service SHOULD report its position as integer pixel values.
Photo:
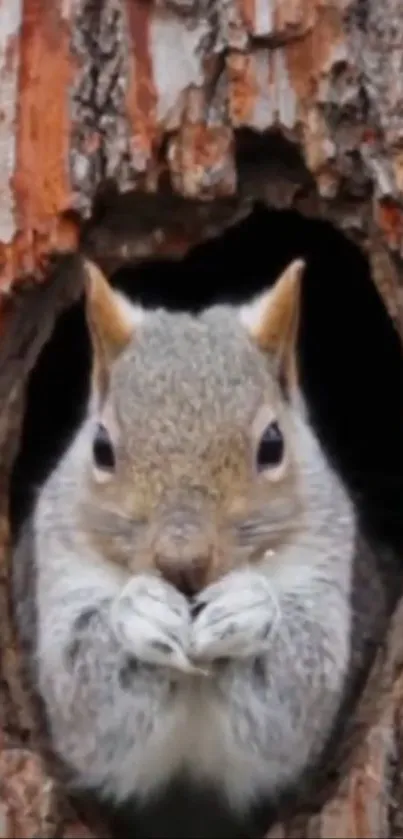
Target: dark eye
(102, 449)
(271, 447)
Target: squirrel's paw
(152, 621)
(237, 616)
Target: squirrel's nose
(187, 575)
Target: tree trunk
(136, 128)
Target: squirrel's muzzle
(188, 576)
(183, 550)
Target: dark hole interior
(350, 355)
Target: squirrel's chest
(196, 736)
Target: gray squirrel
(189, 613)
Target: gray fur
(246, 693)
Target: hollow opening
(351, 362)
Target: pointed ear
(111, 319)
(272, 320)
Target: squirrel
(188, 616)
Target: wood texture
(214, 101)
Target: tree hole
(350, 355)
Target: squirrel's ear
(111, 319)
(112, 322)
(272, 320)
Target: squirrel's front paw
(234, 617)
(152, 620)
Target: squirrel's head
(193, 467)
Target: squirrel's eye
(102, 449)
(271, 447)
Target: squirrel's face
(192, 469)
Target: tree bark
(136, 128)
